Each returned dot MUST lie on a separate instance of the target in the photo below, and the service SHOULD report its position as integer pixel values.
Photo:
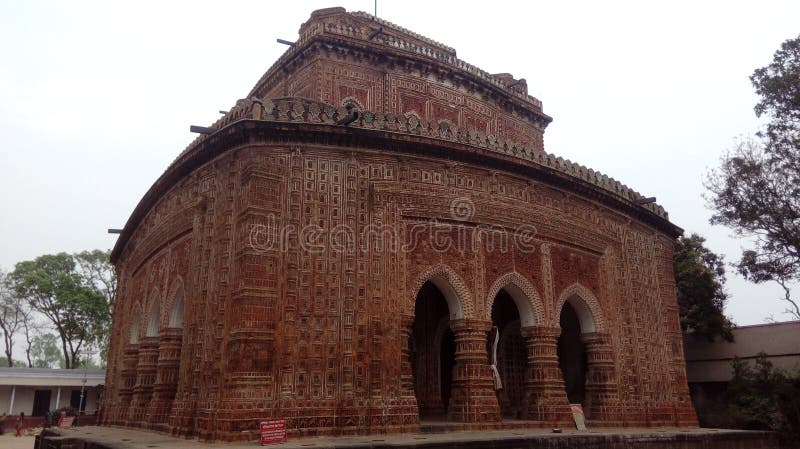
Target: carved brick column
(602, 396)
(393, 403)
(408, 401)
(184, 408)
(130, 361)
(406, 374)
(473, 397)
(545, 394)
(145, 378)
(166, 383)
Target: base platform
(651, 438)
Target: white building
(34, 391)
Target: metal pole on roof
(376, 8)
(83, 392)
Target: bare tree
(31, 329)
(10, 316)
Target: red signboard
(273, 431)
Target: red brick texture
(275, 269)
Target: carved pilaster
(130, 361)
(602, 396)
(166, 384)
(406, 374)
(184, 406)
(408, 408)
(545, 395)
(145, 379)
(547, 278)
(473, 398)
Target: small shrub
(764, 397)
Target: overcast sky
(96, 98)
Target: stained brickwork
(275, 269)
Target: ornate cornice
(306, 121)
(335, 29)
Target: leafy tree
(756, 190)
(700, 278)
(95, 266)
(53, 287)
(96, 270)
(778, 85)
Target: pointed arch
(454, 289)
(135, 328)
(153, 316)
(529, 303)
(176, 314)
(586, 306)
(175, 304)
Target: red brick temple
(375, 238)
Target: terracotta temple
(375, 238)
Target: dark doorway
(512, 356)
(572, 356)
(75, 400)
(432, 352)
(41, 402)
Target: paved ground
(9, 441)
(130, 439)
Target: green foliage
(52, 286)
(46, 353)
(778, 85)
(765, 397)
(96, 269)
(756, 190)
(700, 278)
(87, 363)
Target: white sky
(96, 98)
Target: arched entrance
(572, 355)
(432, 352)
(507, 347)
(585, 355)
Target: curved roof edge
(316, 117)
(297, 109)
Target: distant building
(34, 391)
(708, 364)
